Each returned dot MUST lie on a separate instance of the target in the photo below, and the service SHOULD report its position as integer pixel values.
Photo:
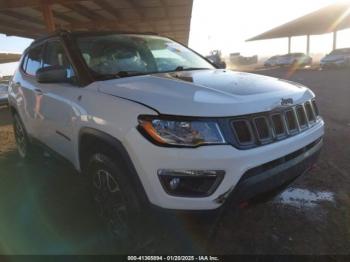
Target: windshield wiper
(121, 74)
(182, 68)
(117, 75)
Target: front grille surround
(282, 123)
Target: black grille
(278, 125)
(291, 121)
(263, 128)
(301, 116)
(242, 131)
(315, 108)
(309, 112)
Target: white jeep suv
(153, 124)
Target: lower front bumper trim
(258, 181)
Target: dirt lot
(45, 208)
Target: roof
(325, 20)
(85, 33)
(166, 17)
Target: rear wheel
(24, 147)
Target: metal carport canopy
(325, 20)
(34, 18)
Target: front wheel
(115, 198)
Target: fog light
(190, 183)
(174, 183)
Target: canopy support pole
(334, 40)
(289, 44)
(308, 44)
(48, 16)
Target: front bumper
(276, 173)
(148, 159)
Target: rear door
(58, 103)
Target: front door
(56, 104)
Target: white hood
(206, 92)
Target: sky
(226, 24)
(12, 44)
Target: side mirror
(52, 74)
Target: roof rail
(61, 31)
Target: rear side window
(32, 61)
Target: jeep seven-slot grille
(263, 128)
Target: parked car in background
(3, 94)
(238, 59)
(294, 59)
(272, 61)
(337, 58)
(216, 58)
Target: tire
(24, 147)
(115, 199)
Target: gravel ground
(45, 208)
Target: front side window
(55, 56)
(32, 61)
(139, 54)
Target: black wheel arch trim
(119, 147)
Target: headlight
(180, 132)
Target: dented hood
(206, 92)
